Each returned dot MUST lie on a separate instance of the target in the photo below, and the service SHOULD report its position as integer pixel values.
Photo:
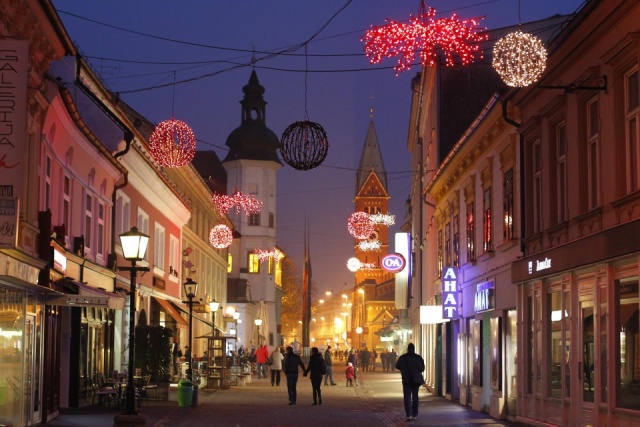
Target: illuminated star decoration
(369, 245)
(264, 255)
(360, 225)
(423, 33)
(383, 219)
(220, 236)
(224, 203)
(367, 266)
(172, 144)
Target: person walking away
(383, 359)
(261, 358)
(353, 359)
(328, 361)
(276, 366)
(317, 368)
(365, 356)
(411, 366)
(349, 374)
(176, 354)
(392, 357)
(291, 363)
(374, 356)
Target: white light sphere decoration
(519, 58)
(353, 264)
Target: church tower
(251, 165)
(372, 197)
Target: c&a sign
(450, 293)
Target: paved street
(376, 402)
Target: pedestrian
(176, 354)
(374, 356)
(276, 366)
(383, 359)
(291, 363)
(316, 368)
(365, 356)
(392, 357)
(328, 361)
(261, 359)
(353, 359)
(349, 373)
(411, 366)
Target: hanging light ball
(220, 236)
(360, 225)
(172, 144)
(353, 264)
(304, 145)
(519, 58)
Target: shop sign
(484, 299)
(59, 261)
(539, 265)
(393, 263)
(8, 223)
(449, 294)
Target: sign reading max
(449, 293)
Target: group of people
(411, 365)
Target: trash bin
(185, 392)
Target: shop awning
(172, 310)
(186, 311)
(87, 296)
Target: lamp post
(214, 306)
(190, 289)
(134, 246)
(236, 316)
(363, 318)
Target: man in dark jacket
(411, 366)
(317, 368)
(291, 363)
(328, 361)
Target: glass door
(32, 373)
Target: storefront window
(477, 352)
(12, 312)
(588, 350)
(556, 344)
(530, 330)
(628, 344)
(603, 344)
(511, 362)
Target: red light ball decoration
(172, 144)
(360, 225)
(304, 145)
(220, 236)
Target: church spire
(371, 159)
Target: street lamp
(214, 306)
(258, 322)
(190, 289)
(236, 316)
(134, 245)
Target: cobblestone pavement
(377, 401)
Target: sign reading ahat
(449, 293)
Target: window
(158, 247)
(632, 129)
(47, 183)
(561, 172)
(456, 240)
(508, 229)
(229, 262)
(537, 187)
(123, 214)
(440, 253)
(487, 244)
(447, 244)
(593, 142)
(143, 225)
(254, 219)
(101, 230)
(88, 222)
(558, 356)
(471, 231)
(174, 256)
(66, 206)
(270, 263)
(628, 330)
(272, 220)
(254, 263)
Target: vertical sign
(14, 62)
(449, 293)
(8, 223)
(403, 247)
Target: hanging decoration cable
(172, 143)
(304, 145)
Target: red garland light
(172, 144)
(264, 255)
(360, 225)
(423, 33)
(224, 203)
(220, 236)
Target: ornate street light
(214, 306)
(258, 322)
(190, 289)
(134, 246)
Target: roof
(371, 160)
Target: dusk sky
(140, 48)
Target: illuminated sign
(59, 261)
(449, 294)
(539, 265)
(484, 299)
(403, 277)
(393, 263)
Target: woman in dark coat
(317, 368)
